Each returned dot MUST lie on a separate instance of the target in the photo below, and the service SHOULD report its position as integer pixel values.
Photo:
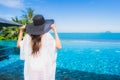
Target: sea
(91, 36)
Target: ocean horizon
(90, 36)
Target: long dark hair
(36, 39)
(35, 43)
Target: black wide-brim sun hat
(39, 29)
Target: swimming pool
(98, 57)
(8, 48)
(78, 56)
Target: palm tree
(24, 21)
(12, 32)
(9, 33)
(15, 19)
(26, 17)
(29, 14)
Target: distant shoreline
(92, 40)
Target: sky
(70, 15)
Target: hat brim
(41, 29)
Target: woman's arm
(57, 40)
(20, 35)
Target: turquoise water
(98, 57)
(91, 36)
(91, 54)
(8, 48)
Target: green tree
(28, 14)
(16, 19)
(11, 33)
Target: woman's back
(45, 59)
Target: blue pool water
(8, 48)
(88, 56)
(97, 53)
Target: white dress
(42, 66)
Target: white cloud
(12, 3)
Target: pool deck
(14, 71)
